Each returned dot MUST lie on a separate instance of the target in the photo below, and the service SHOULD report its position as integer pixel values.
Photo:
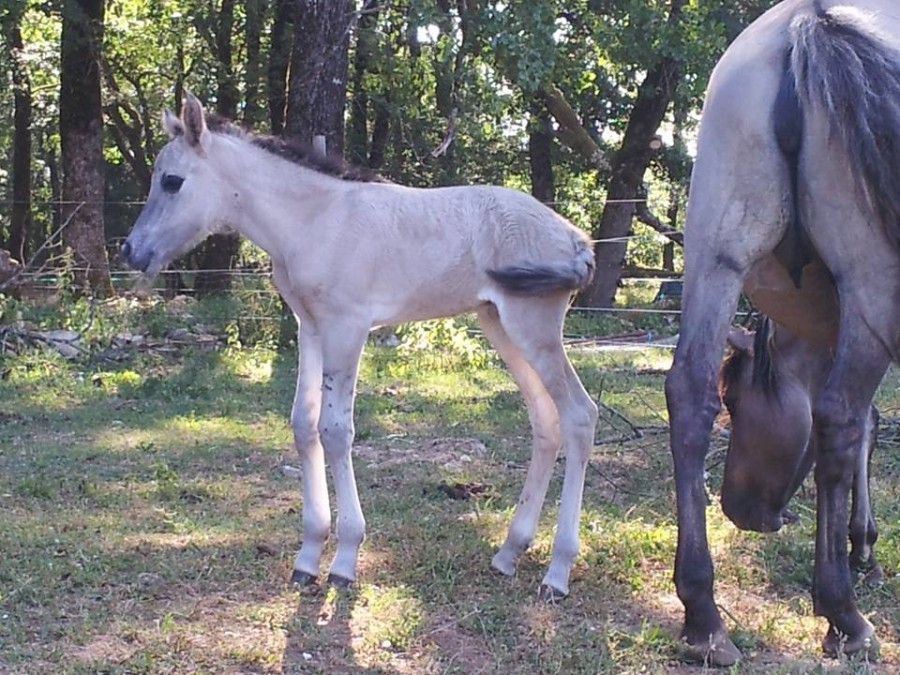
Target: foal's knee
(336, 436)
(303, 425)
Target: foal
(350, 252)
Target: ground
(151, 515)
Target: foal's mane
(295, 152)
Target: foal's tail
(571, 275)
(843, 64)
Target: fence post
(319, 145)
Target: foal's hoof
(717, 651)
(299, 578)
(504, 563)
(862, 641)
(549, 594)
(338, 581)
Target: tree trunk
(381, 131)
(628, 167)
(81, 133)
(279, 59)
(254, 112)
(319, 64)
(20, 222)
(540, 147)
(216, 256)
(358, 133)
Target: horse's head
(771, 421)
(184, 204)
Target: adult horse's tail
(844, 65)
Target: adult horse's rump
(797, 165)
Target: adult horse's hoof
(338, 581)
(549, 594)
(299, 578)
(862, 641)
(717, 651)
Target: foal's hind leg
(544, 420)
(534, 326)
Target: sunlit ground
(149, 527)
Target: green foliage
(449, 86)
(442, 343)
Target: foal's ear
(741, 339)
(172, 124)
(193, 119)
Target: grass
(148, 527)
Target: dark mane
(295, 152)
(763, 373)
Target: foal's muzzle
(139, 263)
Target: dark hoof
(717, 651)
(862, 642)
(299, 578)
(550, 594)
(788, 517)
(874, 576)
(338, 581)
(868, 572)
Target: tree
(20, 221)
(81, 133)
(216, 256)
(319, 63)
(639, 144)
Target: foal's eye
(172, 183)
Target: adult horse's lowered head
(350, 253)
(769, 383)
(797, 165)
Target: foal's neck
(277, 200)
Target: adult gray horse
(797, 166)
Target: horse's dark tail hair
(843, 64)
(535, 279)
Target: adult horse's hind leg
(533, 328)
(842, 416)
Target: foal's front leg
(322, 420)
(304, 421)
(342, 347)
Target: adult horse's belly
(810, 312)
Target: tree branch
(572, 131)
(643, 213)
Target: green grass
(148, 527)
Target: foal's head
(771, 421)
(186, 201)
